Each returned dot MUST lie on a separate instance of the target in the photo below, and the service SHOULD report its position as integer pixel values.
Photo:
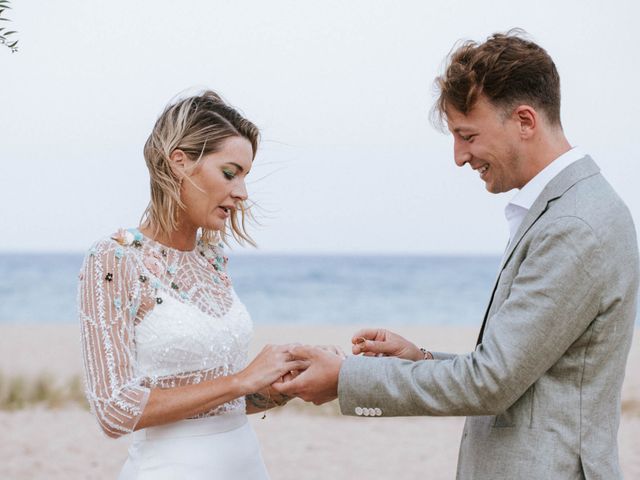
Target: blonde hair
(197, 125)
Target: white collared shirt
(519, 206)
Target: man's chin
(491, 188)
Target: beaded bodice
(156, 317)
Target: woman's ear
(178, 162)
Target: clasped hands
(316, 377)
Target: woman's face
(212, 190)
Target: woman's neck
(182, 238)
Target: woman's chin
(215, 225)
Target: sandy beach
(299, 441)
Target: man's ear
(178, 163)
(527, 119)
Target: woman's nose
(239, 191)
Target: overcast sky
(340, 89)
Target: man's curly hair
(507, 69)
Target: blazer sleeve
(443, 355)
(553, 299)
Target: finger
(376, 348)
(339, 351)
(365, 334)
(295, 365)
(332, 349)
(303, 352)
(289, 388)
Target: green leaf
(6, 34)
(11, 45)
(4, 20)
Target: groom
(542, 389)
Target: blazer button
(377, 412)
(365, 412)
(372, 412)
(358, 410)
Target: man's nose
(461, 154)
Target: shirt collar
(527, 195)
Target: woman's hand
(383, 343)
(269, 366)
(333, 349)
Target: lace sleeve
(108, 296)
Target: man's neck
(544, 151)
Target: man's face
(490, 144)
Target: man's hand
(318, 383)
(380, 342)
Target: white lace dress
(156, 317)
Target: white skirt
(221, 447)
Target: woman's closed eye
(228, 174)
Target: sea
(373, 290)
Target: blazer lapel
(562, 182)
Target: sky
(341, 90)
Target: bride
(165, 337)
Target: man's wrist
(426, 355)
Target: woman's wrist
(240, 386)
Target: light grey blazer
(542, 389)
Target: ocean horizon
(299, 289)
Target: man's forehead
(459, 123)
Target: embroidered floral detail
(114, 324)
(119, 253)
(153, 264)
(225, 279)
(124, 237)
(172, 269)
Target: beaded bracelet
(427, 354)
